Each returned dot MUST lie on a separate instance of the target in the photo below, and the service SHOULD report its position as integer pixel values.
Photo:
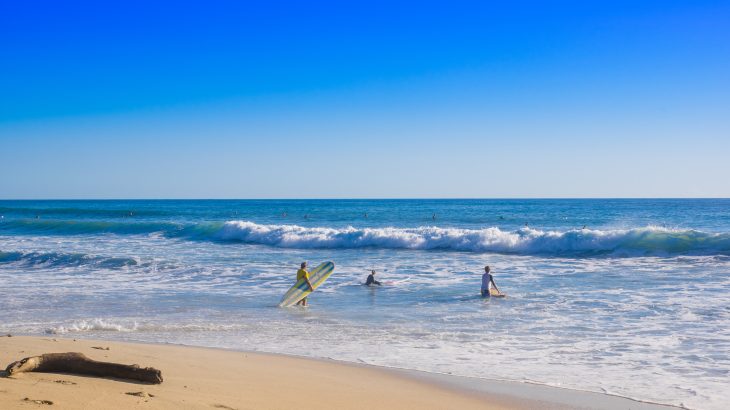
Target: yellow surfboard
(301, 290)
(495, 293)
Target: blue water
(630, 297)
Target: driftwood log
(78, 363)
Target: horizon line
(355, 198)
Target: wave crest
(528, 241)
(629, 242)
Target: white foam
(637, 241)
(92, 325)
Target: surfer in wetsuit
(371, 279)
(487, 280)
(303, 274)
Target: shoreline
(532, 391)
(350, 384)
(480, 385)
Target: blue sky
(374, 99)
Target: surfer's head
(486, 269)
(304, 265)
(372, 272)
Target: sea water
(628, 297)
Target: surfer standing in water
(303, 274)
(371, 279)
(487, 280)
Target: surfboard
(301, 290)
(495, 294)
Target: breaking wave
(642, 241)
(622, 242)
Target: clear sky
(378, 99)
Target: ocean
(623, 296)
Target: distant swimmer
(306, 216)
(366, 215)
(303, 274)
(584, 227)
(433, 217)
(283, 214)
(371, 279)
(487, 282)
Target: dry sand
(200, 378)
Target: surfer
(303, 274)
(487, 281)
(371, 279)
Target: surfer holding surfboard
(306, 283)
(488, 285)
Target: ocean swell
(64, 260)
(620, 242)
(66, 227)
(62, 227)
(32, 212)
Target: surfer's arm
(376, 282)
(310, 284)
(495, 285)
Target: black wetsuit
(371, 280)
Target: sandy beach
(199, 378)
